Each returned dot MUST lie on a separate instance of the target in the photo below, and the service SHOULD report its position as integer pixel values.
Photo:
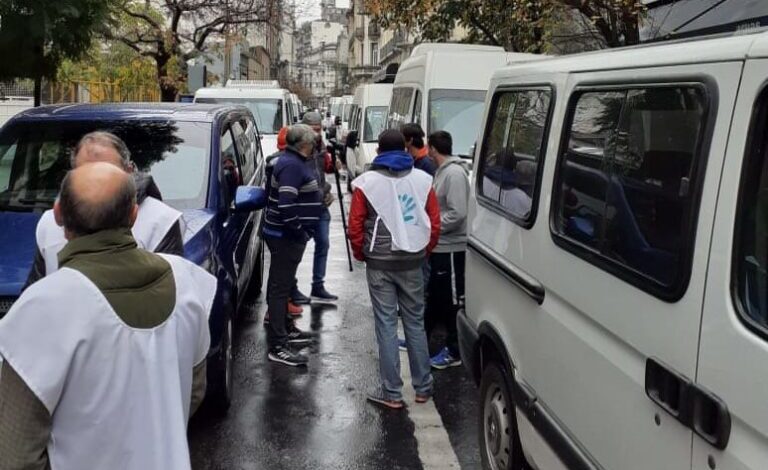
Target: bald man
(157, 226)
(104, 360)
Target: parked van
(270, 105)
(617, 271)
(368, 117)
(443, 87)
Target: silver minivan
(617, 271)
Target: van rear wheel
(499, 442)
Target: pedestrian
(157, 227)
(293, 211)
(104, 359)
(414, 143)
(394, 223)
(320, 163)
(445, 290)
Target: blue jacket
(295, 198)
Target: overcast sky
(310, 9)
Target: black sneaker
(298, 298)
(285, 356)
(296, 336)
(320, 295)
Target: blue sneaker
(444, 360)
(401, 344)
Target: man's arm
(25, 425)
(433, 210)
(358, 212)
(199, 385)
(457, 198)
(37, 272)
(173, 242)
(289, 181)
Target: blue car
(206, 161)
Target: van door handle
(710, 418)
(668, 389)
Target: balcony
(374, 31)
(360, 33)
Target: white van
(368, 117)
(270, 106)
(617, 272)
(443, 87)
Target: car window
(513, 150)
(458, 112)
(417, 108)
(627, 181)
(7, 154)
(230, 167)
(244, 152)
(399, 108)
(375, 121)
(751, 240)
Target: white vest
(153, 222)
(401, 204)
(119, 396)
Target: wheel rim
(228, 359)
(496, 427)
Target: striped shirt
(295, 198)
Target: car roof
(128, 111)
(242, 92)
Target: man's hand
(328, 199)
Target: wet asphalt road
(317, 418)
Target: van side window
(417, 108)
(244, 153)
(513, 151)
(626, 194)
(751, 241)
(400, 107)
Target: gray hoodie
(452, 190)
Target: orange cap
(281, 143)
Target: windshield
(268, 113)
(34, 157)
(336, 109)
(458, 112)
(375, 122)
(347, 110)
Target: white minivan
(270, 105)
(617, 272)
(368, 118)
(443, 87)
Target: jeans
(404, 289)
(322, 242)
(285, 256)
(445, 295)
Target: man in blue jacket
(293, 211)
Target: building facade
(364, 44)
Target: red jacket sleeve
(358, 212)
(433, 210)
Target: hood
(396, 161)
(197, 232)
(17, 250)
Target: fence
(97, 92)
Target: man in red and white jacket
(394, 223)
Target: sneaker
(296, 336)
(380, 400)
(402, 344)
(444, 360)
(285, 356)
(320, 295)
(294, 310)
(298, 298)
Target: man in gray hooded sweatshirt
(446, 283)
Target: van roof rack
(253, 84)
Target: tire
(223, 381)
(500, 447)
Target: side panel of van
(733, 356)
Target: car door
(730, 413)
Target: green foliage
(37, 35)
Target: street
(318, 418)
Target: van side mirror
(353, 140)
(250, 198)
(337, 121)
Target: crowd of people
(108, 274)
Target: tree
(37, 35)
(171, 32)
(517, 25)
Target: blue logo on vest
(407, 206)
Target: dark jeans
(445, 295)
(322, 242)
(285, 256)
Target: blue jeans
(322, 241)
(404, 289)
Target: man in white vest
(394, 223)
(104, 360)
(157, 227)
